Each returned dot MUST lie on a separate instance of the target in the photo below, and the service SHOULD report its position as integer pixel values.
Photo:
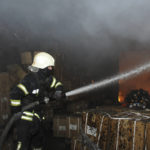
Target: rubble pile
(138, 98)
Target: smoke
(68, 20)
(87, 29)
(127, 19)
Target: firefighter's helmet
(42, 60)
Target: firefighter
(38, 85)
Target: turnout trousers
(29, 134)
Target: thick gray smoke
(97, 21)
(86, 28)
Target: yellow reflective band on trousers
(30, 114)
(23, 88)
(26, 118)
(19, 145)
(58, 84)
(35, 114)
(53, 82)
(15, 102)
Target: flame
(120, 98)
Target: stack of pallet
(26, 58)
(66, 126)
(4, 83)
(116, 129)
(16, 73)
(4, 92)
(8, 80)
(77, 144)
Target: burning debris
(138, 99)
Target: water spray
(108, 81)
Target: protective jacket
(34, 86)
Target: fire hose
(15, 117)
(72, 93)
(83, 89)
(12, 120)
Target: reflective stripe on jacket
(55, 83)
(29, 116)
(31, 86)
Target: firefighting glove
(58, 95)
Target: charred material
(139, 99)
